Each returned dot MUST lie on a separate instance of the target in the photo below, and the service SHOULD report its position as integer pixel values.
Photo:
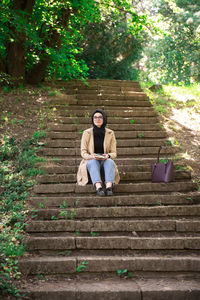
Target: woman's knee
(92, 163)
(109, 162)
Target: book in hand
(99, 155)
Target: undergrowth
(19, 164)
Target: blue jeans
(94, 167)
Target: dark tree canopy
(41, 38)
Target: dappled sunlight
(183, 94)
(186, 118)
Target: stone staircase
(147, 232)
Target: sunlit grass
(184, 93)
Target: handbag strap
(158, 157)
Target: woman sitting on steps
(98, 149)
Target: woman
(98, 149)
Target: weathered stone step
(64, 143)
(113, 242)
(124, 176)
(147, 187)
(126, 90)
(54, 169)
(116, 111)
(99, 83)
(102, 264)
(91, 100)
(119, 135)
(113, 225)
(113, 288)
(119, 127)
(121, 212)
(136, 151)
(131, 161)
(120, 112)
(103, 87)
(111, 120)
(130, 200)
(112, 95)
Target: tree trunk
(16, 50)
(38, 72)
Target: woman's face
(98, 119)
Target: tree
(39, 37)
(173, 56)
(110, 47)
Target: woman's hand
(106, 156)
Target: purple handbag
(162, 171)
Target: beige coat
(87, 149)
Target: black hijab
(99, 133)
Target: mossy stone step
(136, 151)
(120, 112)
(115, 288)
(122, 200)
(121, 212)
(54, 169)
(129, 94)
(90, 100)
(64, 143)
(113, 225)
(130, 161)
(116, 127)
(111, 120)
(112, 242)
(103, 264)
(147, 187)
(124, 176)
(141, 135)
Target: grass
(178, 108)
(19, 166)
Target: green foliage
(124, 272)
(72, 39)
(93, 234)
(64, 214)
(82, 266)
(174, 55)
(17, 168)
(111, 46)
(64, 205)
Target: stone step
(99, 83)
(113, 242)
(130, 200)
(64, 143)
(146, 187)
(116, 127)
(104, 264)
(72, 161)
(113, 225)
(124, 176)
(103, 86)
(141, 135)
(120, 112)
(92, 100)
(126, 95)
(121, 212)
(111, 120)
(115, 288)
(136, 151)
(116, 111)
(127, 90)
(55, 169)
